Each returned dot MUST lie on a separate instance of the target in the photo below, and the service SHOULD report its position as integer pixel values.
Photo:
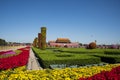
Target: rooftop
(63, 40)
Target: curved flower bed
(15, 61)
(7, 52)
(114, 74)
(57, 74)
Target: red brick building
(63, 42)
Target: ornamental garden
(62, 60)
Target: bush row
(69, 57)
(68, 60)
(112, 52)
(109, 58)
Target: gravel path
(33, 64)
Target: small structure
(63, 42)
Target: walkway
(7, 48)
(33, 64)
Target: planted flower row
(15, 61)
(7, 52)
(56, 74)
(114, 74)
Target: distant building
(63, 42)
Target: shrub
(109, 58)
(112, 52)
(92, 45)
(47, 58)
(57, 46)
(71, 61)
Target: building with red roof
(63, 42)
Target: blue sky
(81, 21)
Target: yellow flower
(47, 74)
(67, 79)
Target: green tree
(3, 42)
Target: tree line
(2, 42)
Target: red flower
(114, 74)
(15, 61)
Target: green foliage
(43, 38)
(3, 42)
(35, 42)
(71, 61)
(109, 58)
(113, 52)
(64, 55)
(48, 57)
(80, 50)
(76, 56)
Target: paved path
(7, 48)
(33, 64)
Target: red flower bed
(15, 61)
(114, 74)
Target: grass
(81, 50)
(60, 56)
(51, 54)
(76, 56)
(84, 50)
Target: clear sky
(81, 21)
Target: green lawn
(76, 56)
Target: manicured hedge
(79, 50)
(112, 52)
(49, 57)
(69, 62)
(109, 58)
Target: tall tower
(35, 42)
(39, 40)
(43, 38)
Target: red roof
(62, 40)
